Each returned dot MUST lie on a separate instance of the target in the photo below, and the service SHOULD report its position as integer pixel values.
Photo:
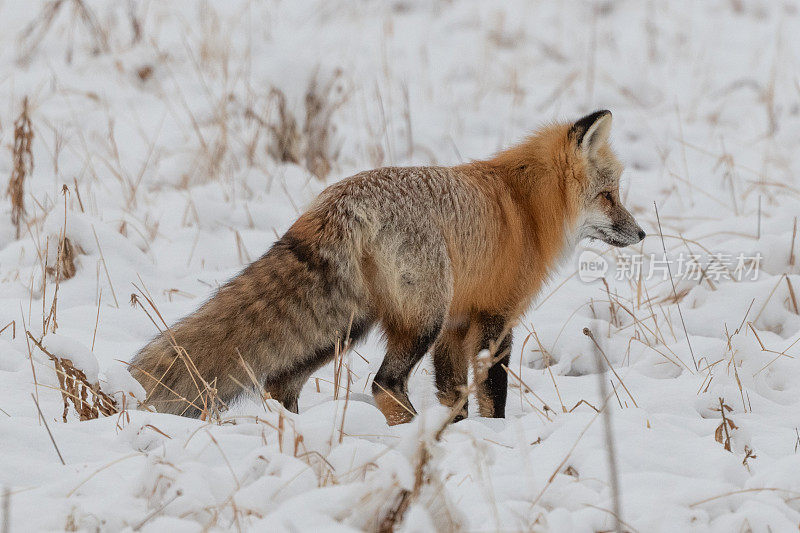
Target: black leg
(390, 386)
(286, 386)
(490, 377)
(450, 366)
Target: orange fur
(442, 258)
(536, 203)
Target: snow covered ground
(163, 121)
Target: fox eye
(607, 195)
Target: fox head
(600, 213)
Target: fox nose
(641, 234)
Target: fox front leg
(451, 366)
(491, 379)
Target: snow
(79, 355)
(161, 140)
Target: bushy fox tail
(275, 323)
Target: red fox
(441, 258)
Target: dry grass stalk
(210, 405)
(548, 363)
(613, 312)
(481, 365)
(609, 432)
(22, 161)
(407, 122)
(732, 364)
(241, 249)
(674, 291)
(13, 326)
(64, 268)
(792, 296)
(563, 462)
(525, 388)
(47, 427)
(31, 37)
(404, 500)
(422, 471)
(263, 395)
(33, 34)
(769, 297)
(6, 526)
(722, 434)
(662, 340)
(105, 267)
(588, 333)
(88, 400)
(286, 146)
(313, 145)
(90, 20)
(158, 510)
(422, 477)
(30, 355)
(321, 102)
(393, 517)
(346, 404)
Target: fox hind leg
(491, 378)
(287, 390)
(286, 386)
(412, 287)
(404, 350)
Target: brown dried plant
(88, 400)
(311, 146)
(22, 165)
(286, 145)
(34, 33)
(321, 101)
(723, 431)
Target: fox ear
(592, 131)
